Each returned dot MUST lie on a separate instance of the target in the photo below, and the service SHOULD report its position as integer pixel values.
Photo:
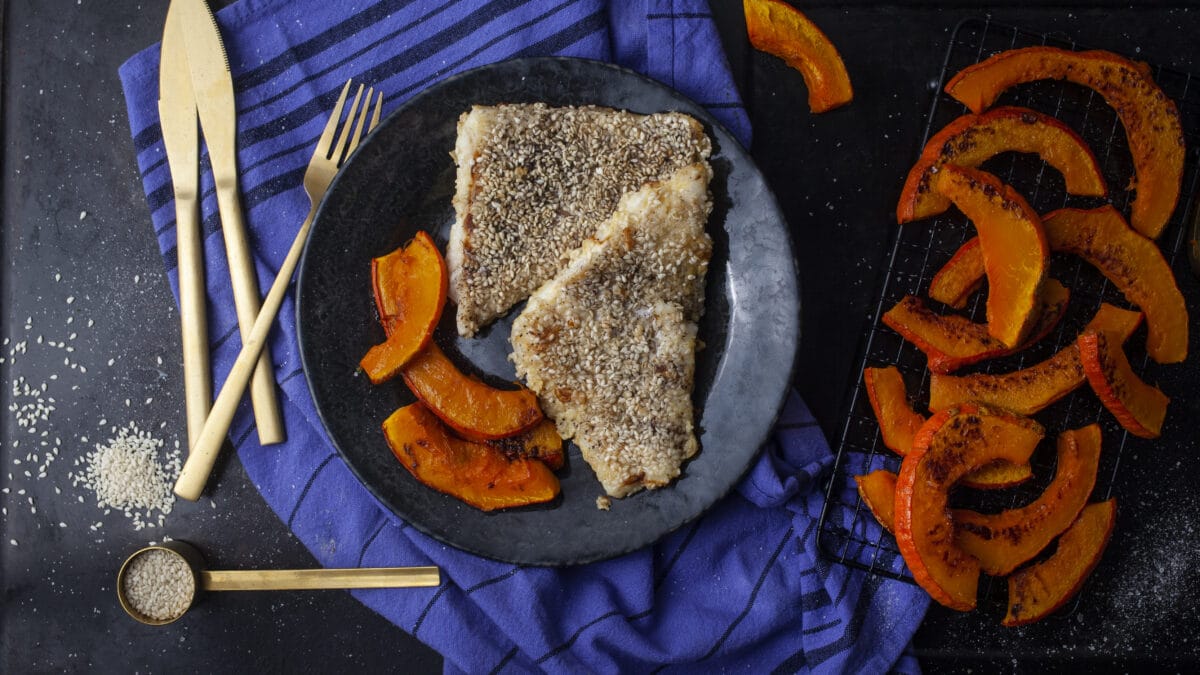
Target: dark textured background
(67, 150)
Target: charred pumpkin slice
(899, 423)
(1031, 389)
(1038, 590)
(1139, 407)
(1003, 541)
(960, 277)
(780, 29)
(951, 341)
(1015, 254)
(1150, 118)
(878, 492)
(541, 443)
(475, 473)
(953, 443)
(472, 408)
(1133, 264)
(971, 140)
(410, 291)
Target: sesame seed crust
(609, 343)
(534, 181)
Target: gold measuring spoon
(158, 584)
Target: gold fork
(326, 161)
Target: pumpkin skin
(951, 341)
(951, 444)
(1038, 590)
(1133, 264)
(1139, 407)
(1001, 542)
(781, 30)
(878, 491)
(971, 140)
(1029, 390)
(472, 408)
(1015, 253)
(410, 291)
(475, 473)
(1150, 118)
(899, 424)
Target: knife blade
(181, 138)
(213, 87)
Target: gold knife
(213, 86)
(181, 137)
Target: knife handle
(203, 454)
(246, 300)
(193, 313)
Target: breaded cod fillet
(533, 182)
(609, 343)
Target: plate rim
(768, 193)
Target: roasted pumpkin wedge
(475, 473)
(1031, 389)
(1003, 541)
(1015, 254)
(951, 444)
(1139, 407)
(951, 341)
(899, 423)
(1150, 118)
(1133, 264)
(878, 492)
(410, 291)
(960, 277)
(472, 408)
(971, 140)
(541, 443)
(780, 29)
(1038, 590)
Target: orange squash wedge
(953, 443)
(1015, 253)
(410, 291)
(781, 30)
(950, 341)
(1133, 264)
(1031, 389)
(960, 277)
(1038, 590)
(541, 443)
(472, 408)
(971, 140)
(1150, 118)
(878, 491)
(1139, 407)
(475, 473)
(1003, 541)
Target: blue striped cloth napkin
(742, 587)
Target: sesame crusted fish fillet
(533, 182)
(609, 344)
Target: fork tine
(326, 139)
(378, 112)
(358, 128)
(345, 134)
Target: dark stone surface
(749, 327)
(67, 150)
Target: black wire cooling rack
(847, 532)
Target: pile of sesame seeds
(159, 585)
(127, 474)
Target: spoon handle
(288, 580)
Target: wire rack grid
(847, 531)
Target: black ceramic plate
(401, 180)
